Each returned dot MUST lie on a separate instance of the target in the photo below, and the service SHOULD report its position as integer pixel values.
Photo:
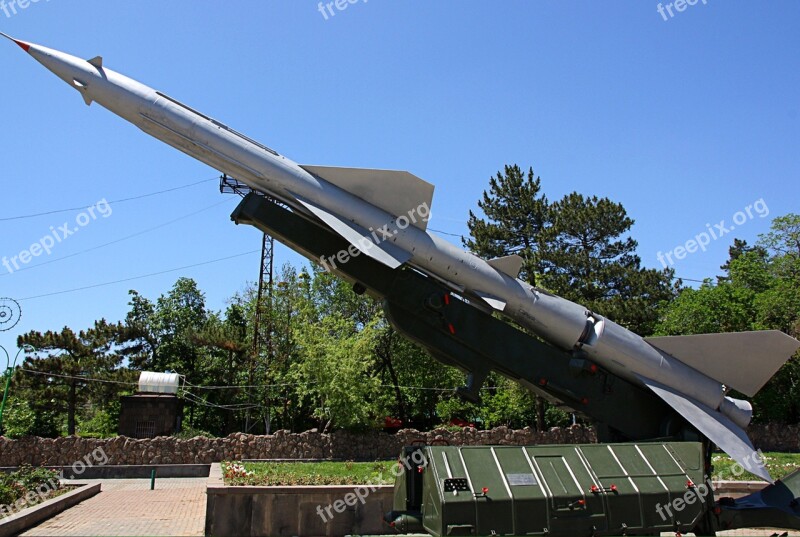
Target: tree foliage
(759, 291)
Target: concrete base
(27, 518)
(288, 511)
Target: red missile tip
(22, 44)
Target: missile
(384, 214)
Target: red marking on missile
(451, 328)
(447, 300)
(23, 45)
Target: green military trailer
(595, 489)
(568, 490)
(649, 474)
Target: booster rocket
(383, 214)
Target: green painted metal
(460, 335)
(645, 475)
(562, 490)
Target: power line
(87, 379)
(122, 239)
(123, 200)
(446, 233)
(138, 277)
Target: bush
(189, 432)
(16, 485)
(18, 418)
(101, 425)
(555, 417)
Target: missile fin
(384, 252)
(399, 193)
(97, 61)
(728, 436)
(744, 361)
(509, 265)
(496, 303)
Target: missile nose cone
(22, 44)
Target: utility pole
(262, 321)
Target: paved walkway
(176, 508)
(127, 507)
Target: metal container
(150, 382)
(595, 489)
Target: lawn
(309, 473)
(778, 464)
(381, 472)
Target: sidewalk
(127, 507)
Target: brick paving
(127, 507)
(177, 508)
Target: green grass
(778, 464)
(380, 472)
(309, 473)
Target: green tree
(760, 291)
(161, 336)
(586, 257)
(576, 248)
(334, 375)
(516, 213)
(67, 377)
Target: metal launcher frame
(463, 336)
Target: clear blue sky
(685, 121)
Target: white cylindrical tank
(151, 382)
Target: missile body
(384, 215)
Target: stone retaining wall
(310, 445)
(281, 445)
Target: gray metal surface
(383, 230)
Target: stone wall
(281, 445)
(310, 445)
(775, 437)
